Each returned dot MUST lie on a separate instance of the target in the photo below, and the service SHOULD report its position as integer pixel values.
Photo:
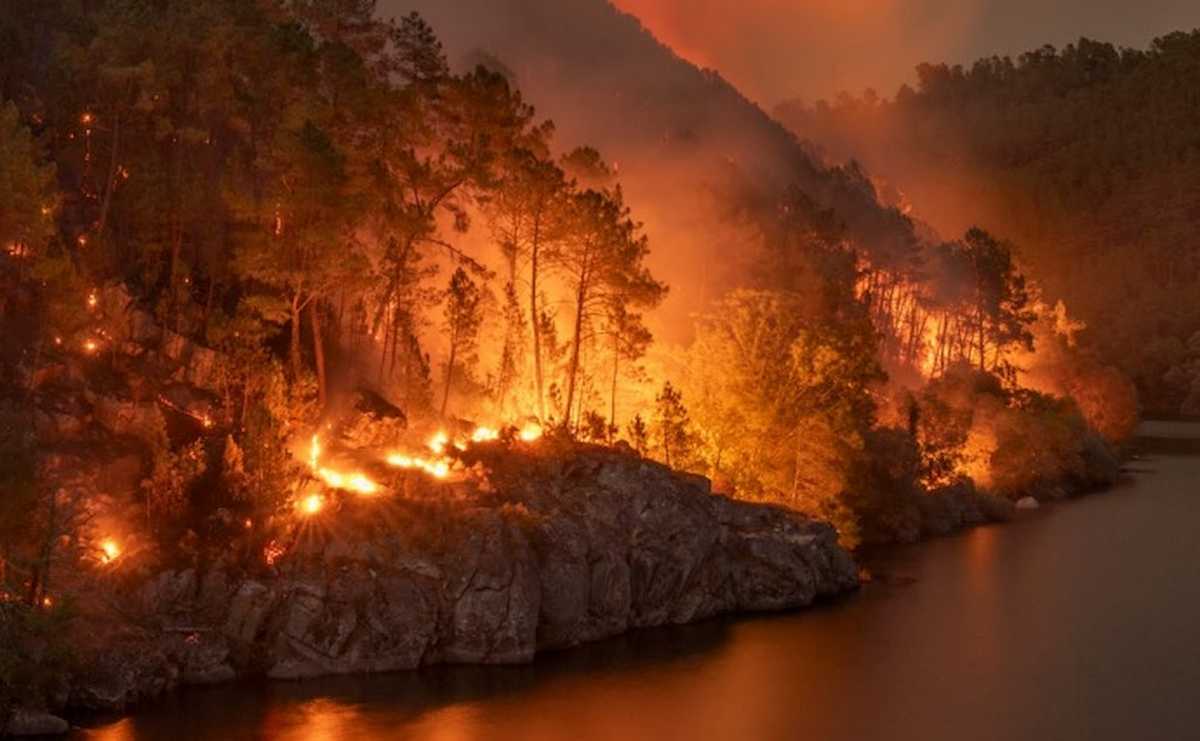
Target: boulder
(33, 723)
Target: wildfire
(312, 505)
(272, 552)
(439, 442)
(355, 482)
(484, 434)
(530, 432)
(110, 551)
(438, 469)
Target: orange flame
(110, 551)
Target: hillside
(1085, 157)
(683, 138)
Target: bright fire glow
(355, 482)
(312, 504)
(110, 551)
(90, 346)
(484, 434)
(439, 469)
(439, 442)
(530, 432)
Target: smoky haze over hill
(676, 133)
(776, 49)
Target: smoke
(682, 139)
(778, 49)
(774, 49)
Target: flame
(439, 442)
(272, 552)
(312, 505)
(356, 482)
(439, 469)
(484, 434)
(92, 300)
(314, 452)
(110, 551)
(530, 432)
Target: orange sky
(775, 49)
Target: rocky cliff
(540, 550)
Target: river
(1078, 621)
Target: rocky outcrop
(544, 552)
(30, 723)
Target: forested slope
(1085, 157)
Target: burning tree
(601, 258)
(464, 315)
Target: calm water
(1081, 621)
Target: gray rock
(553, 552)
(32, 723)
(1027, 503)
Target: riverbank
(928, 649)
(546, 552)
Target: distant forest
(1087, 158)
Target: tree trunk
(449, 372)
(294, 347)
(576, 341)
(112, 176)
(535, 321)
(319, 354)
(612, 403)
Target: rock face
(550, 552)
(575, 552)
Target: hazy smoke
(777, 49)
(677, 134)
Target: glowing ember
(484, 434)
(47, 602)
(87, 119)
(312, 504)
(438, 469)
(110, 551)
(92, 300)
(355, 482)
(439, 442)
(314, 452)
(530, 432)
(90, 346)
(272, 552)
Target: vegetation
(1084, 157)
(301, 206)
